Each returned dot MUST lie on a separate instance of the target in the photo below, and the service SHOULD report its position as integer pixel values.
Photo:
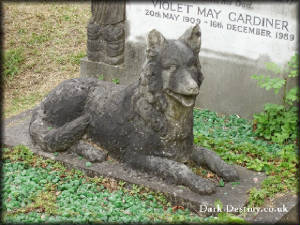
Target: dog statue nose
(192, 87)
(194, 90)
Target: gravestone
(238, 36)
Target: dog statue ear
(155, 41)
(192, 37)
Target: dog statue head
(168, 87)
(176, 65)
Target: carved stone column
(105, 31)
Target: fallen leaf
(176, 207)
(254, 127)
(210, 175)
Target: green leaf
(100, 77)
(218, 204)
(88, 164)
(235, 183)
(221, 183)
(116, 80)
(273, 67)
(292, 95)
(293, 73)
(294, 65)
(258, 77)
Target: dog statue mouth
(185, 100)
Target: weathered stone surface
(128, 72)
(72, 96)
(108, 72)
(107, 12)
(90, 152)
(16, 132)
(148, 124)
(282, 210)
(105, 31)
(211, 160)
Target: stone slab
(16, 132)
(282, 209)
(89, 68)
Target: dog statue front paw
(229, 173)
(201, 186)
(209, 159)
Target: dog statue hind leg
(60, 122)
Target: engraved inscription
(245, 22)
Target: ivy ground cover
(233, 139)
(36, 190)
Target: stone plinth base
(100, 70)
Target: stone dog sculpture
(147, 125)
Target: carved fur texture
(148, 124)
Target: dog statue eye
(172, 67)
